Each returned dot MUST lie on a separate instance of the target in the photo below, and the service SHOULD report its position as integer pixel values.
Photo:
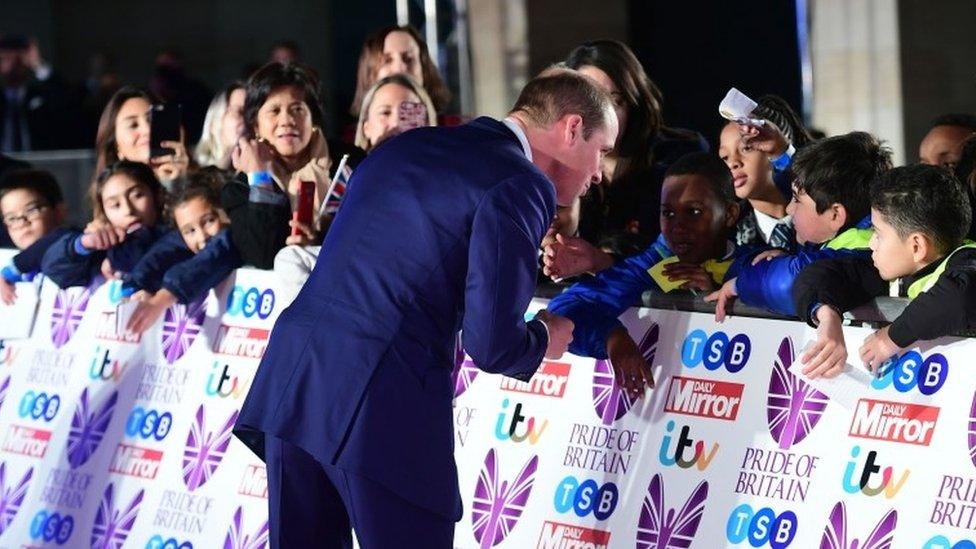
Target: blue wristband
(10, 274)
(781, 162)
(259, 178)
(79, 248)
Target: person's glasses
(28, 215)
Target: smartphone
(164, 125)
(412, 115)
(303, 211)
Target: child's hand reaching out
(722, 297)
(877, 348)
(695, 276)
(102, 237)
(828, 356)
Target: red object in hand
(303, 211)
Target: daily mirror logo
(549, 380)
(894, 421)
(703, 398)
(793, 407)
(498, 503)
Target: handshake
(560, 333)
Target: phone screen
(412, 115)
(164, 125)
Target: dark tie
(782, 236)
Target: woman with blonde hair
(222, 127)
(380, 114)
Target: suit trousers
(311, 504)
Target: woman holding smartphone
(283, 145)
(124, 134)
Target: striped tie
(783, 236)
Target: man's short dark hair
(839, 170)
(556, 92)
(924, 199)
(273, 76)
(961, 120)
(709, 166)
(40, 182)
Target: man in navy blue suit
(439, 231)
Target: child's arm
(75, 258)
(148, 273)
(843, 283)
(948, 307)
(828, 355)
(191, 279)
(769, 284)
(28, 261)
(595, 303)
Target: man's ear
(732, 214)
(838, 216)
(572, 128)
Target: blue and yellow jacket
(171, 265)
(769, 284)
(594, 303)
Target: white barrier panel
(107, 441)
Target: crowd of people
(775, 218)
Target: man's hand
(630, 369)
(8, 292)
(828, 355)
(569, 256)
(102, 238)
(148, 311)
(560, 333)
(695, 276)
(767, 138)
(722, 297)
(877, 348)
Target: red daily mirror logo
(135, 461)
(254, 482)
(557, 536)
(241, 341)
(703, 398)
(894, 421)
(549, 380)
(27, 441)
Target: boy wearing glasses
(33, 211)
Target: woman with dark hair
(123, 134)
(283, 146)
(398, 50)
(628, 200)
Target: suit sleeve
(506, 231)
(191, 279)
(948, 307)
(842, 283)
(769, 284)
(595, 303)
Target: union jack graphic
(181, 325)
(659, 527)
(497, 506)
(88, 428)
(205, 450)
(464, 369)
(610, 401)
(236, 539)
(835, 534)
(112, 526)
(69, 309)
(3, 390)
(11, 498)
(793, 407)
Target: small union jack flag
(205, 450)
(181, 325)
(338, 189)
(112, 526)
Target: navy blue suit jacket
(437, 232)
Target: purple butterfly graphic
(204, 450)
(236, 539)
(497, 507)
(112, 526)
(659, 527)
(11, 498)
(793, 407)
(69, 309)
(610, 401)
(464, 370)
(835, 535)
(88, 428)
(3, 390)
(972, 429)
(181, 324)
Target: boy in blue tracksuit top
(33, 210)
(183, 269)
(830, 214)
(694, 252)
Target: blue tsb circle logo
(248, 302)
(586, 497)
(910, 370)
(716, 350)
(146, 424)
(52, 527)
(157, 542)
(39, 406)
(761, 526)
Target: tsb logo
(716, 350)
(910, 370)
(586, 498)
(48, 527)
(248, 302)
(39, 406)
(942, 542)
(761, 527)
(157, 542)
(147, 424)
